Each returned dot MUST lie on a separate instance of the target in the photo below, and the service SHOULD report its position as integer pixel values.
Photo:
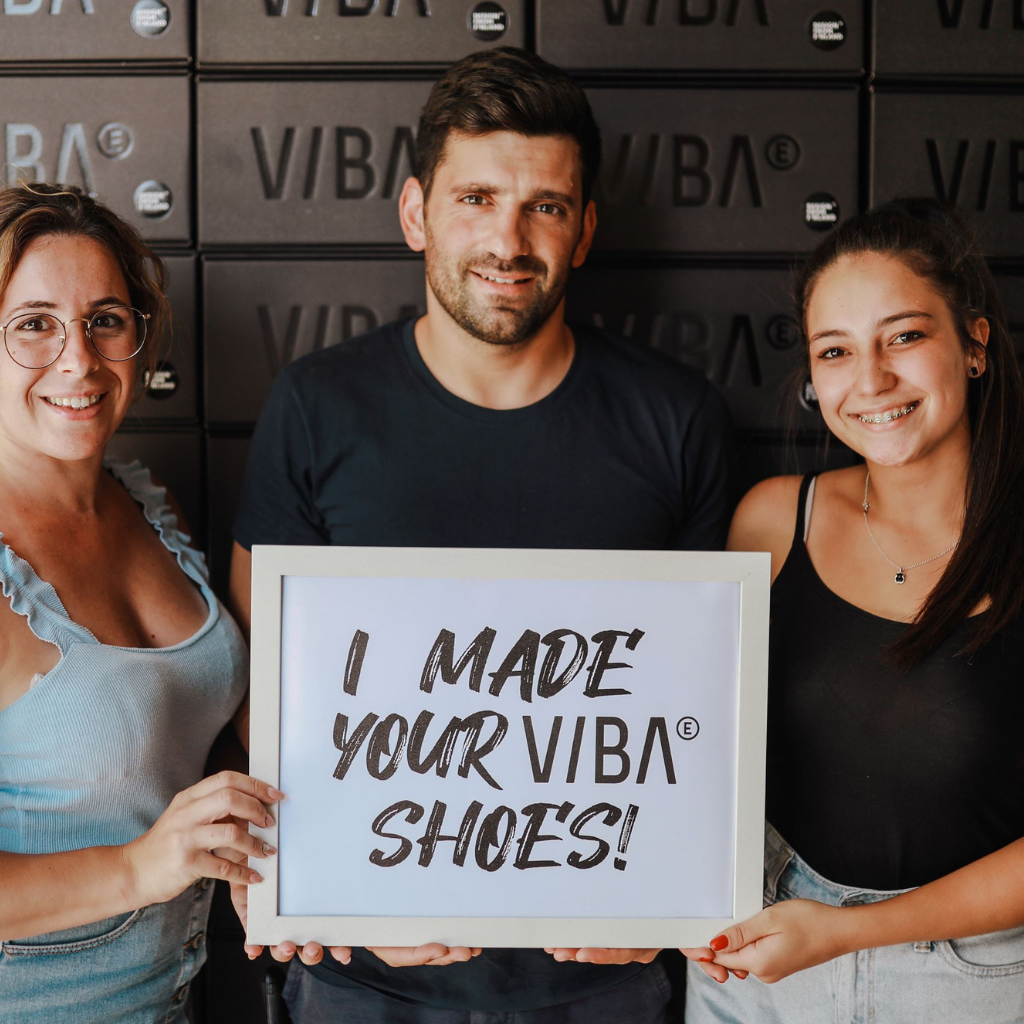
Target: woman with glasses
(894, 857)
(118, 666)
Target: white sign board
(509, 748)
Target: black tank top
(878, 778)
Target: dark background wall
(260, 146)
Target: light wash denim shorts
(130, 969)
(964, 981)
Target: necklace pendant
(900, 577)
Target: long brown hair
(31, 211)
(933, 240)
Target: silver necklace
(901, 570)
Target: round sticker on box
(808, 396)
(828, 30)
(488, 21)
(115, 141)
(150, 18)
(153, 199)
(821, 211)
(162, 382)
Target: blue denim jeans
(962, 981)
(642, 999)
(130, 969)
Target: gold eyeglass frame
(88, 333)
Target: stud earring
(974, 372)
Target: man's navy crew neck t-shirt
(360, 444)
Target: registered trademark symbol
(782, 152)
(687, 728)
(782, 332)
(115, 141)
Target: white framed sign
(508, 747)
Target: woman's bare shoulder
(766, 518)
(846, 484)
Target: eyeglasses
(35, 340)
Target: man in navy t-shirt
(489, 422)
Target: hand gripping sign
(509, 748)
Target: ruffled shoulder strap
(138, 481)
(38, 602)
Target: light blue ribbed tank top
(93, 753)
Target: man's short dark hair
(506, 90)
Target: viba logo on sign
(488, 21)
(344, 8)
(695, 178)
(35, 6)
(821, 211)
(685, 12)
(153, 199)
(150, 18)
(356, 166)
(293, 331)
(828, 30)
(981, 157)
(25, 150)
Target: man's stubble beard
(492, 322)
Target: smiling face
(502, 226)
(70, 409)
(887, 363)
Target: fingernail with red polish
(706, 960)
(718, 943)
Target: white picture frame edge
(752, 570)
